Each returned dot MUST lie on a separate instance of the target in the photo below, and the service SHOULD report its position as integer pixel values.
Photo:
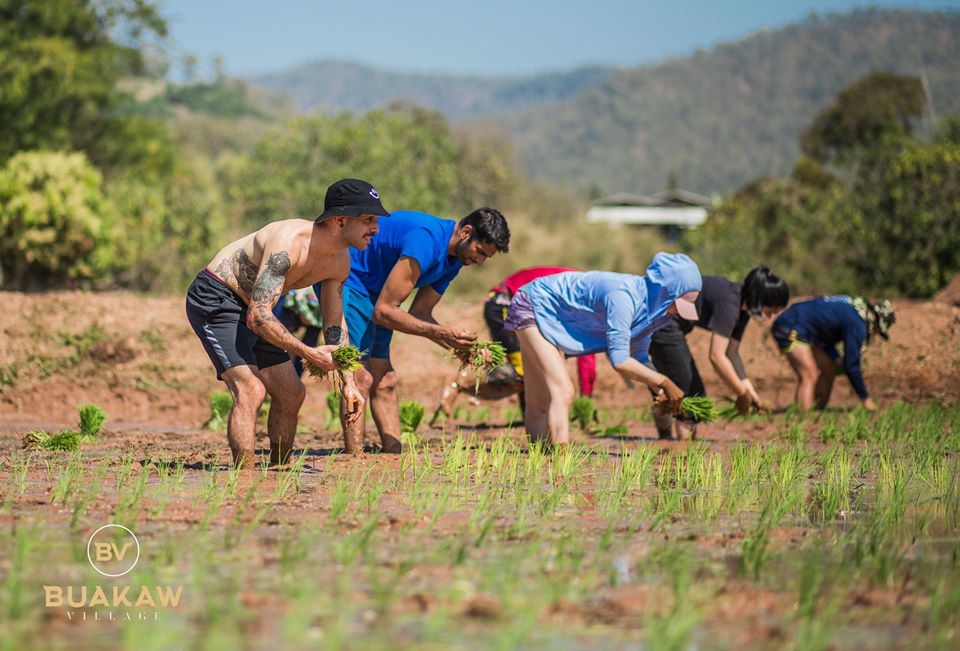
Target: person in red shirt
(507, 380)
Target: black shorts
(219, 317)
(495, 313)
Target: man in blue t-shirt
(412, 250)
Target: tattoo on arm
(333, 335)
(268, 287)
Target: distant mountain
(716, 119)
(720, 118)
(339, 85)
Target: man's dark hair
(489, 226)
(762, 288)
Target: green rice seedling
(815, 622)
(92, 418)
(21, 466)
(943, 612)
(24, 542)
(753, 551)
(221, 402)
(630, 474)
(290, 480)
(670, 629)
(124, 470)
(128, 505)
(69, 479)
(566, 463)
(357, 544)
(411, 414)
(340, 498)
(833, 492)
(583, 410)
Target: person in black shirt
(725, 308)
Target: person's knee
(248, 394)
(385, 384)
(808, 374)
(363, 379)
(291, 397)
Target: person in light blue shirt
(580, 313)
(411, 251)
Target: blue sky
(490, 37)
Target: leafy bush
(56, 225)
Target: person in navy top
(411, 251)
(809, 332)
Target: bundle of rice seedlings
(583, 410)
(411, 413)
(347, 358)
(66, 441)
(702, 409)
(482, 357)
(92, 418)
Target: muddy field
(839, 530)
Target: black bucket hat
(352, 198)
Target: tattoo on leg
(333, 335)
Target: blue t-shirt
(406, 233)
(824, 323)
(594, 311)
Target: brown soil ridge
(137, 357)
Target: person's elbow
(382, 314)
(622, 367)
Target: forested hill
(341, 85)
(717, 118)
(722, 117)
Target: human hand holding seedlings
(672, 396)
(455, 338)
(321, 357)
(745, 402)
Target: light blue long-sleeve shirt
(584, 312)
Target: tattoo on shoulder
(333, 335)
(269, 284)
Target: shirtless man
(230, 306)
